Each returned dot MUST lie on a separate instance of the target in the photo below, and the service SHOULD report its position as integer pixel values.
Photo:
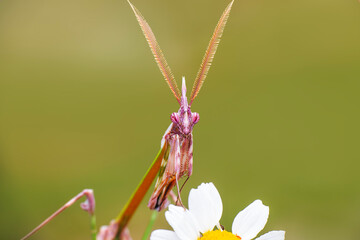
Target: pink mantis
(178, 160)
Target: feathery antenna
(210, 52)
(158, 55)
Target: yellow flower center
(217, 234)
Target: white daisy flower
(205, 210)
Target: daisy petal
(163, 235)
(206, 206)
(183, 223)
(273, 235)
(250, 221)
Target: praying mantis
(175, 158)
(177, 141)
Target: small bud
(89, 204)
(109, 232)
(125, 234)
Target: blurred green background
(83, 105)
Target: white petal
(250, 221)
(273, 235)
(163, 235)
(183, 223)
(206, 206)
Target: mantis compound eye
(174, 118)
(195, 117)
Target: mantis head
(184, 119)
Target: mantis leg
(178, 199)
(187, 178)
(178, 170)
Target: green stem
(150, 225)
(93, 226)
(127, 212)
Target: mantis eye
(174, 118)
(195, 117)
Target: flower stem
(127, 212)
(93, 227)
(150, 225)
